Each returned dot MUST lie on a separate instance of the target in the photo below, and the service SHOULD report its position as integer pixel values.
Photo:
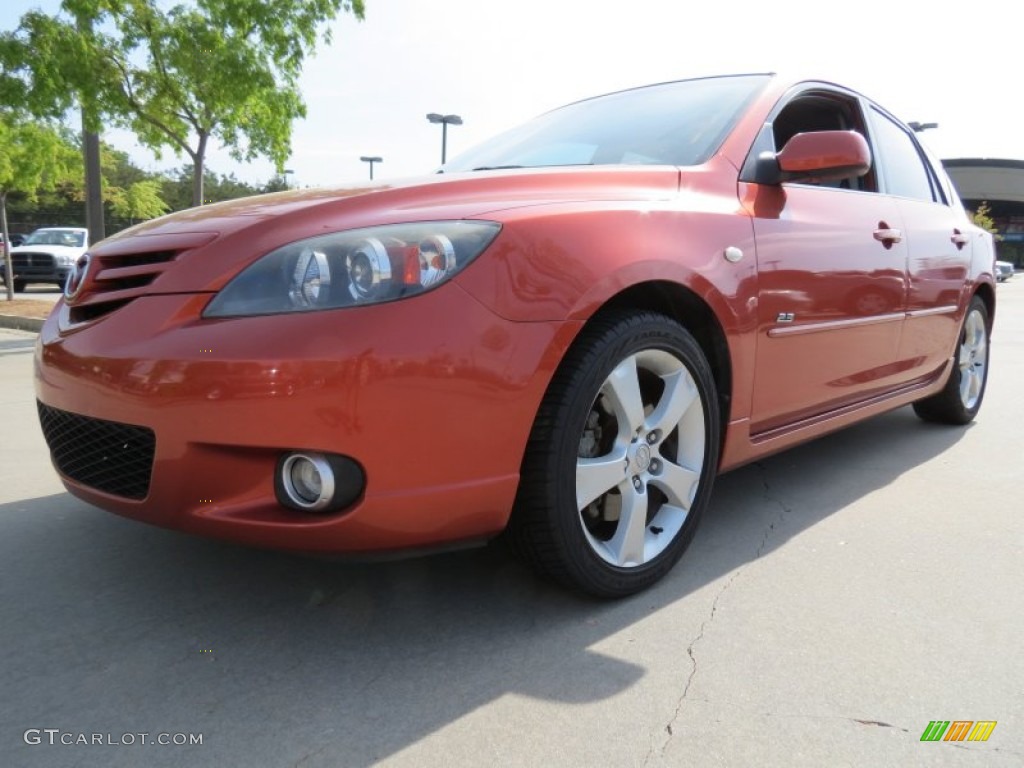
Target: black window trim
(765, 141)
(940, 195)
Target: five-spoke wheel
(622, 456)
(960, 399)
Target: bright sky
(499, 62)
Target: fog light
(308, 480)
(317, 482)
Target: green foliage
(277, 183)
(139, 201)
(32, 156)
(61, 204)
(983, 219)
(177, 187)
(177, 76)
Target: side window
(823, 111)
(905, 172)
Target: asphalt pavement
(838, 599)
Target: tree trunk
(91, 154)
(8, 267)
(93, 185)
(198, 168)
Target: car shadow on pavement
(110, 625)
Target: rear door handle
(959, 239)
(886, 235)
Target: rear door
(938, 243)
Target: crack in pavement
(877, 723)
(781, 516)
(309, 756)
(987, 749)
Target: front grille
(32, 263)
(105, 455)
(116, 280)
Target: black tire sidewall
(594, 360)
(947, 407)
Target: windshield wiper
(497, 167)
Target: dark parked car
(566, 335)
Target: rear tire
(19, 285)
(622, 457)
(960, 400)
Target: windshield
(679, 123)
(67, 237)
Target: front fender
(564, 264)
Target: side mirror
(817, 156)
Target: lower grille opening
(105, 455)
(93, 311)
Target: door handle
(959, 239)
(887, 236)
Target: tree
(983, 218)
(214, 69)
(138, 202)
(177, 187)
(32, 156)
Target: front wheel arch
(695, 315)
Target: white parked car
(48, 255)
(1004, 271)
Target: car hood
(462, 195)
(213, 242)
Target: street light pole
(444, 120)
(371, 161)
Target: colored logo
(958, 730)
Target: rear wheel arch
(987, 295)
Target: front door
(831, 300)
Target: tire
(960, 400)
(622, 457)
(19, 285)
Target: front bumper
(434, 397)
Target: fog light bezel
(342, 481)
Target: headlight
(354, 268)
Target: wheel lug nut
(655, 465)
(652, 437)
(637, 484)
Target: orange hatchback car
(564, 334)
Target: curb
(31, 324)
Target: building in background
(1000, 183)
